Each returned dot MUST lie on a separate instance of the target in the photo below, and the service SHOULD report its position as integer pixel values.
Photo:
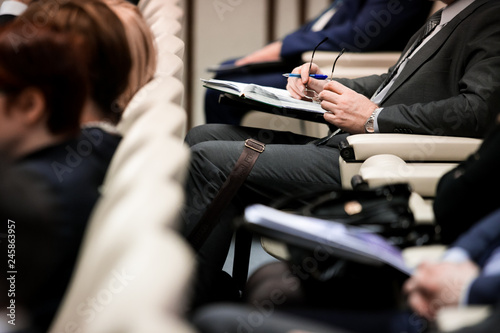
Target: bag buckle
(255, 145)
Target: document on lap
(347, 242)
(268, 99)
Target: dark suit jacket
(6, 18)
(451, 85)
(480, 242)
(463, 194)
(357, 26)
(69, 176)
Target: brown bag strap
(241, 170)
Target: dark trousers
(231, 318)
(290, 164)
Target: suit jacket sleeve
(480, 242)
(484, 290)
(482, 239)
(452, 85)
(461, 196)
(456, 92)
(362, 25)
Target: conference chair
(150, 6)
(131, 247)
(162, 16)
(131, 231)
(170, 43)
(162, 89)
(123, 280)
(382, 158)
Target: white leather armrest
(414, 256)
(386, 169)
(422, 210)
(451, 319)
(352, 59)
(410, 147)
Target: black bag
(384, 210)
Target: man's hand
(297, 86)
(347, 109)
(436, 285)
(270, 52)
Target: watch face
(369, 128)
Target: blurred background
(225, 29)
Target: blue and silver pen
(315, 76)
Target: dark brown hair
(51, 62)
(109, 53)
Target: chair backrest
(133, 270)
(163, 90)
(164, 17)
(136, 215)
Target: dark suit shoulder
(463, 194)
(70, 173)
(6, 18)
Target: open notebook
(268, 99)
(347, 242)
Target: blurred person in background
(356, 25)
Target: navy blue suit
(357, 26)
(481, 242)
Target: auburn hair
(142, 47)
(109, 61)
(50, 62)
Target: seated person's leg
(281, 169)
(232, 318)
(359, 301)
(352, 287)
(265, 318)
(221, 132)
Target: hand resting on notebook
(347, 109)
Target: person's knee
(201, 133)
(201, 156)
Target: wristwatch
(370, 122)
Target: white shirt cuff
(10, 7)
(375, 122)
(455, 254)
(464, 296)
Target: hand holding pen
(301, 76)
(301, 89)
(314, 76)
